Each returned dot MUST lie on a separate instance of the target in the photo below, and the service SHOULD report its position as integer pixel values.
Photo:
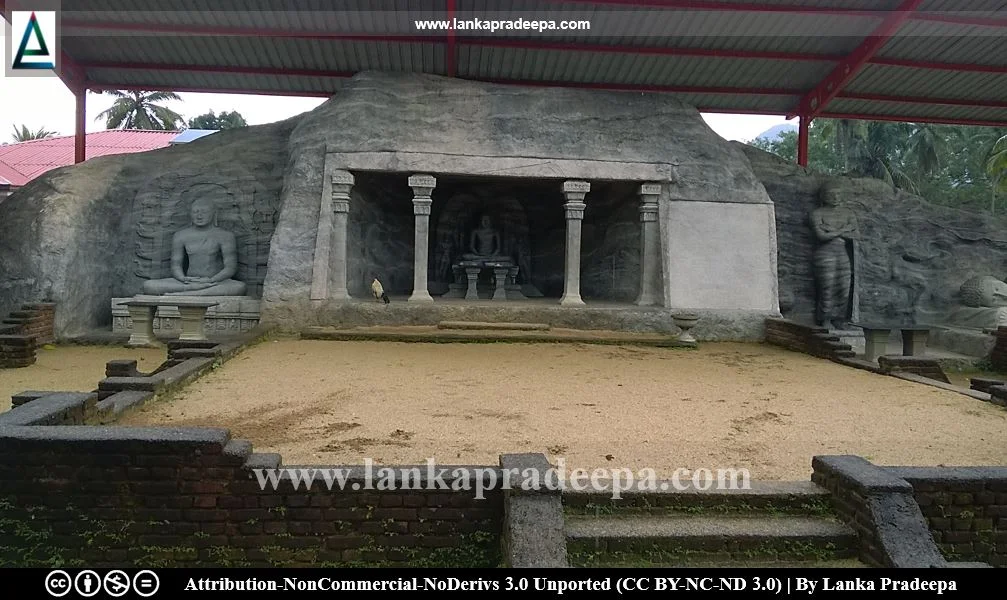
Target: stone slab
(493, 326)
(975, 318)
(719, 256)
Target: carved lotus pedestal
(229, 315)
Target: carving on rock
(242, 206)
(983, 292)
(835, 260)
(204, 258)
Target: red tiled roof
(24, 161)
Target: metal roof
(922, 60)
(23, 161)
(190, 135)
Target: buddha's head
(486, 222)
(830, 195)
(202, 212)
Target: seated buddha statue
(212, 258)
(485, 243)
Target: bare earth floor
(724, 405)
(71, 369)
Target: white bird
(379, 291)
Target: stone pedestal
(514, 291)
(142, 333)
(192, 322)
(574, 192)
(650, 245)
(914, 342)
(231, 315)
(472, 275)
(875, 343)
(422, 186)
(500, 281)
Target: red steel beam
(950, 17)
(649, 50)
(451, 51)
(216, 30)
(204, 90)
(125, 66)
(923, 100)
(713, 6)
(912, 119)
(816, 100)
(954, 19)
(138, 66)
(184, 68)
(962, 67)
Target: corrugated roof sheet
(264, 46)
(24, 161)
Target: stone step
(684, 540)
(488, 326)
(790, 497)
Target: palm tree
(886, 151)
(24, 134)
(996, 168)
(137, 110)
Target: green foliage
(140, 110)
(24, 134)
(225, 120)
(961, 166)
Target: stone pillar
(574, 192)
(650, 244)
(422, 186)
(192, 322)
(331, 237)
(342, 183)
(142, 332)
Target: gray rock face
(81, 235)
(914, 256)
(448, 127)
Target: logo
(116, 583)
(87, 583)
(58, 583)
(32, 43)
(146, 583)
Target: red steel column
(79, 137)
(802, 140)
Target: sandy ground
(724, 405)
(71, 369)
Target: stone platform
(232, 315)
(714, 325)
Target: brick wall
(999, 355)
(815, 341)
(16, 350)
(881, 509)
(966, 509)
(37, 320)
(114, 496)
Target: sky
(45, 102)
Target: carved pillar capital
(575, 191)
(342, 181)
(649, 194)
(422, 186)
